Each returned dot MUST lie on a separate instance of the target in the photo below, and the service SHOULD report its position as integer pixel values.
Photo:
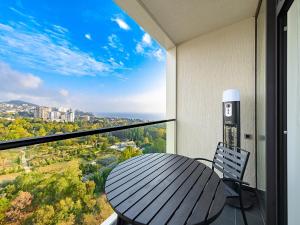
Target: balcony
(85, 157)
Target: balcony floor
(233, 216)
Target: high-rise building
(55, 116)
(42, 112)
(63, 109)
(70, 116)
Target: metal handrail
(58, 137)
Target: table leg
(121, 221)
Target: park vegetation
(63, 182)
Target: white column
(293, 112)
(171, 100)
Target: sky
(87, 55)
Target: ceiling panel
(183, 20)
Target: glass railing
(60, 179)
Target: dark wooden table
(165, 189)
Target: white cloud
(115, 42)
(14, 79)
(48, 51)
(15, 85)
(19, 12)
(30, 81)
(158, 54)
(147, 48)
(139, 48)
(115, 63)
(153, 101)
(121, 77)
(88, 36)
(122, 24)
(64, 92)
(147, 39)
(5, 27)
(148, 101)
(60, 29)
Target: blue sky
(87, 55)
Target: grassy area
(8, 177)
(59, 167)
(9, 158)
(53, 168)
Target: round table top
(165, 189)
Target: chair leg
(242, 206)
(120, 221)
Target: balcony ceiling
(183, 20)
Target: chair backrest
(231, 161)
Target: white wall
(206, 66)
(293, 112)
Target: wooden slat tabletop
(164, 188)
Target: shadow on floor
(233, 216)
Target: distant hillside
(82, 113)
(19, 102)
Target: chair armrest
(203, 159)
(235, 181)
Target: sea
(141, 116)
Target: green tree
(159, 145)
(104, 146)
(4, 205)
(90, 219)
(129, 152)
(42, 216)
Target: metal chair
(232, 162)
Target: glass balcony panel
(63, 181)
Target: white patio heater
(231, 118)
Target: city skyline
(89, 56)
(11, 110)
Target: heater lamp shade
(231, 95)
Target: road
(24, 162)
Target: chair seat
(230, 192)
